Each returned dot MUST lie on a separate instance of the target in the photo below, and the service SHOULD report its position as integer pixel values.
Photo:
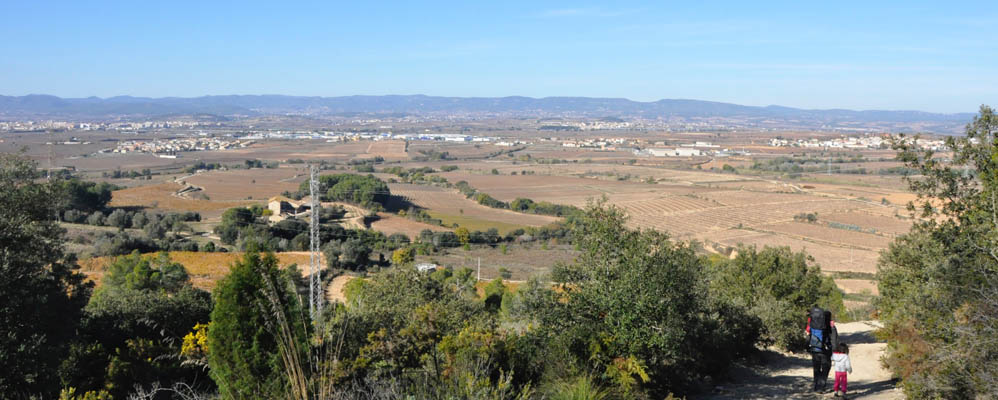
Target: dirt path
(788, 376)
(334, 292)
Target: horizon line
(484, 97)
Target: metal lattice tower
(315, 282)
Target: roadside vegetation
(939, 283)
(636, 315)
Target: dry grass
(389, 149)
(830, 235)
(390, 223)
(243, 184)
(858, 286)
(523, 261)
(867, 220)
(159, 196)
(451, 203)
(205, 269)
(829, 257)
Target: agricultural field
(688, 197)
(388, 149)
(390, 223)
(162, 197)
(882, 224)
(819, 233)
(248, 184)
(449, 204)
(519, 259)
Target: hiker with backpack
(822, 337)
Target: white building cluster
(597, 143)
(696, 149)
(29, 126)
(174, 146)
(854, 142)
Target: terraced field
(816, 232)
(872, 219)
(450, 202)
(829, 257)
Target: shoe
(837, 394)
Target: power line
(315, 283)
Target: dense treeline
(417, 175)
(798, 165)
(363, 190)
(158, 231)
(519, 204)
(939, 283)
(84, 196)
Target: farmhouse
(426, 267)
(282, 207)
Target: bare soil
(789, 376)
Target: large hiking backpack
(821, 337)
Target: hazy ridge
(514, 106)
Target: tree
(41, 294)
(494, 292)
(939, 283)
(352, 254)
(119, 218)
(96, 218)
(84, 196)
(139, 220)
(636, 305)
(777, 286)
(403, 256)
(131, 326)
(245, 358)
(463, 235)
(142, 273)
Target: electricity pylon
(315, 282)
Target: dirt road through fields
(788, 376)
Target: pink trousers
(840, 382)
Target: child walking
(842, 368)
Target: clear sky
(934, 56)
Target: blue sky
(933, 56)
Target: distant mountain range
(257, 105)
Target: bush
(777, 286)
(364, 190)
(636, 306)
(144, 305)
(96, 218)
(74, 216)
(120, 219)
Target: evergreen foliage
(245, 359)
(939, 283)
(41, 294)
